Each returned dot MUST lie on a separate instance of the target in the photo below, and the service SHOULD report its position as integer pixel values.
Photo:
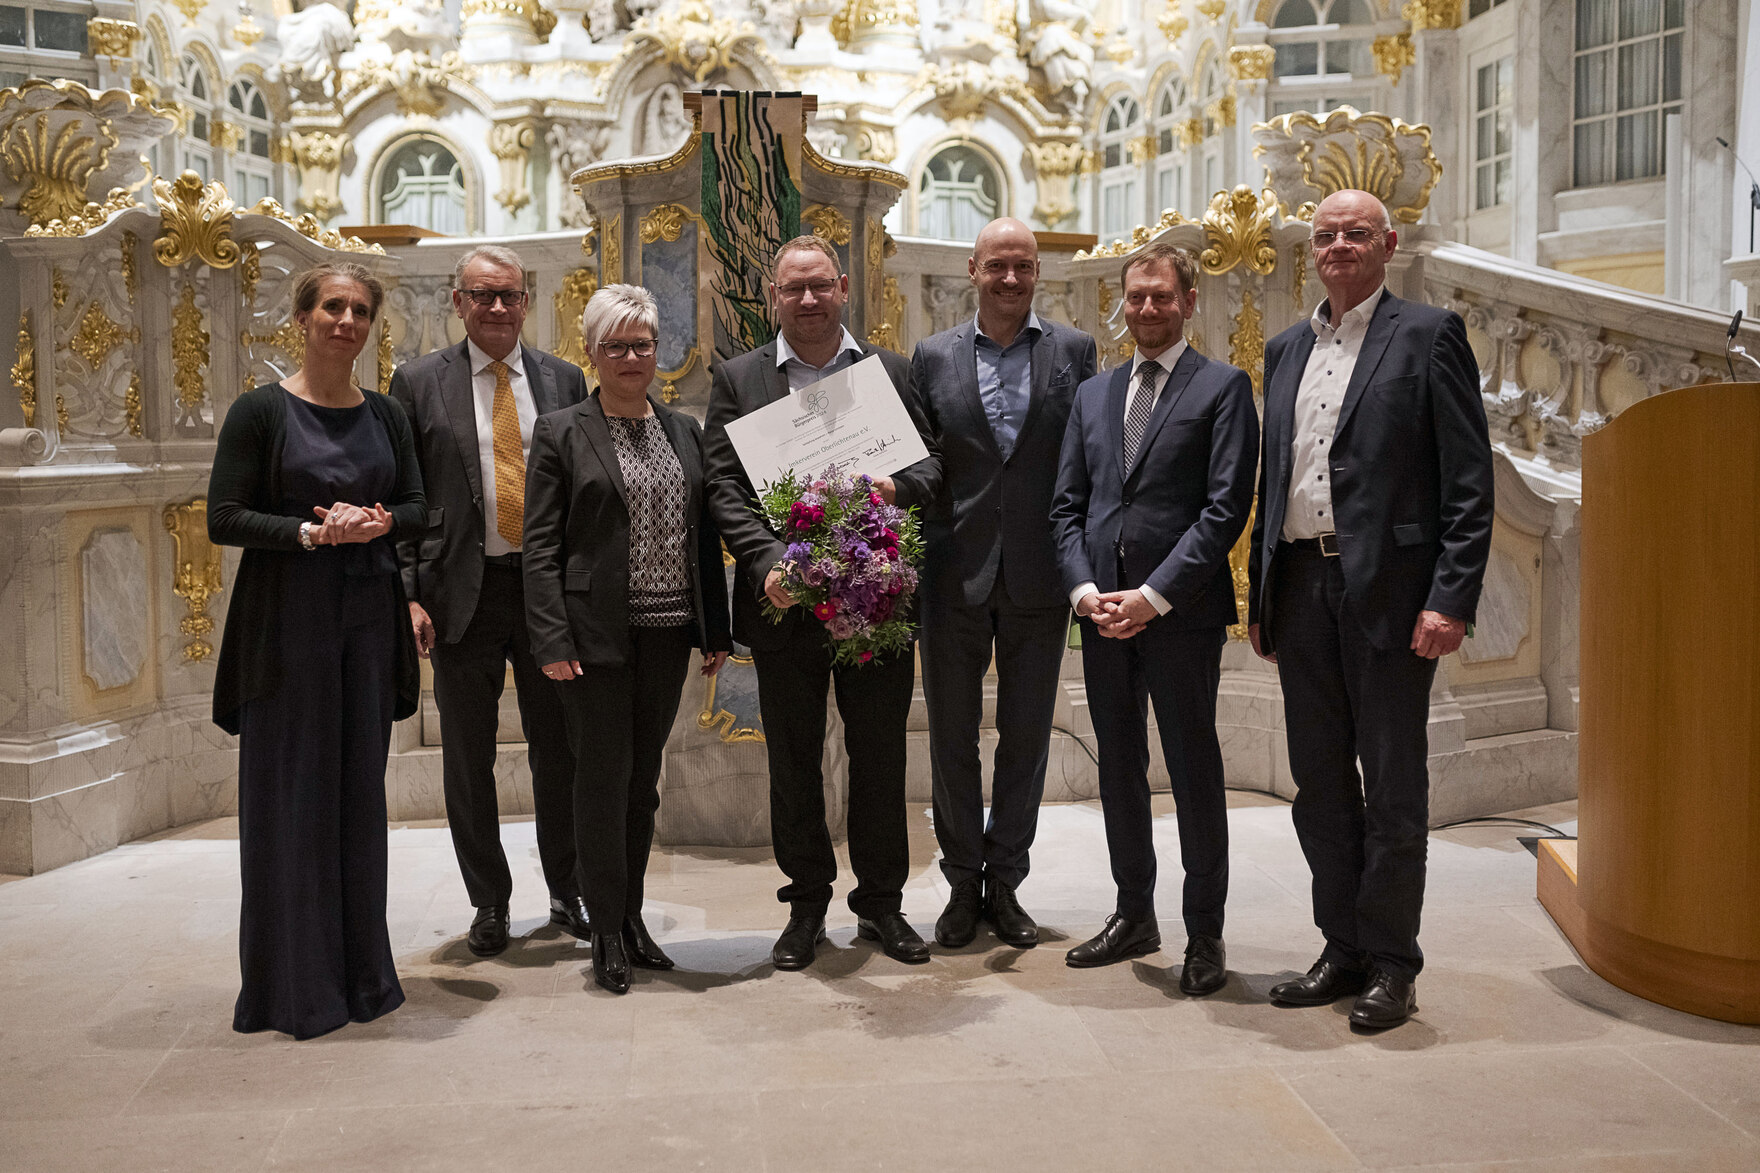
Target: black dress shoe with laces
(1206, 967)
(897, 939)
(1120, 939)
(570, 912)
(639, 946)
(799, 941)
(488, 935)
(1388, 1001)
(1012, 924)
(1324, 984)
(958, 923)
(610, 966)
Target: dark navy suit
(1167, 521)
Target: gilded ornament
(810, 155)
(890, 332)
(876, 144)
(97, 335)
(669, 379)
(861, 18)
(60, 415)
(112, 38)
(664, 222)
(577, 288)
(1055, 166)
(132, 404)
(539, 19)
(1141, 150)
(190, 9)
(196, 573)
(1105, 293)
(1246, 342)
(58, 290)
(1222, 110)
(1120, 50)
(250, 273)
(1309, 158)
(24, 371)
(307, 226)
(828, 224)
(1211, 10)
(1139, 236)
(131, 278)
(387, 361)
(511, 143)
(611, 254)
(91, 218)
(1432, 14)
(1298, 284)
(420, 84)
(691, 144)
(693, 40)
(189, 350)
(1189, 132)
(288, 338)
(225, 136)
(1172, 22)
(195, 220)
(1393, 53)
(247, 32)
(1251, 62)
(1238, 561)
(876, 245)
(1237, 230)
(57, 165)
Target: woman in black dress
(623, 577)
(316, 662)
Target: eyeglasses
(819, 289)
(1358, 237)
(641, 348)
(511, 298)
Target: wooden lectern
(1661, 895)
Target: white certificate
(853, 419)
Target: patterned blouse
(653, 483)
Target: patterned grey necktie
(1137, 421)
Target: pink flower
(824, 611)
(864, 657)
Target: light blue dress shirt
(1005, 380)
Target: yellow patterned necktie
(510, 460)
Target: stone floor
(117, 977)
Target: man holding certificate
(809, 428)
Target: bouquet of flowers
(852, 560)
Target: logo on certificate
(816, 402)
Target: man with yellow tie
(472, 407)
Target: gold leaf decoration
(828, 223)
(189, 351)
(1237, 230)
(1246, 342)
(58, 165)
(24, 371)
(664, 222)
(577, 287)
(132, 404)
(195, 221)
(195, 573)
(97, 336)
(1393, 53)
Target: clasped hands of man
(1117, 614)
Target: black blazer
(1175, 513)
(443, 562)
(1412, 495)
(990, 510)
(244, 502)
(576, 544)
(743, 384)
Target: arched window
(1170, 157)
(194, 91)
(1120, 172)
(250, 112)
(958, 194)
(1323, 38)
(422, 183)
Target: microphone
(1731, 349)
(1753, 188)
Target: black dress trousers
(1365, 836)
(468, 679)
(312, 944)
(618, 722)
(874, 699)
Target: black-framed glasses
(511, 298)
(819, 289)
(641, 348)
(1356, 237)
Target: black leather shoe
(571, 913)
(799, 941)
(488, 935)
(1326, 983)
(1206, 967)
(1387, 1002)
(610, 966)
(897, 939)
(958, 924)
(1012, 924)
(639, 947)
(1119, 940)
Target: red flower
(865, 657)
(824, 611)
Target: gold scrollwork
(288, 338)
(1432, 14)
(511, 143)
(1222, 110)
(1237, 230)
(577, 288)
(846, 170)
(1055, 165)
(1172, 22)
(24, 371)
(132, 404)
(665, 222)
(189, 351)
(611, 251)
(1140, 235)
(669, 379)
(112, 38)
(858, 18)
(1251, 62)
(890, 331)
(250, 273)
(1238, 559)
(97, 335)
(58, 291)
(88, 219)
(307, 226)
(1211, 10)
(190, 9)
(131, 278)
(195, 220)
(58, 165)
(828, 224)
(1298, 284)
(712, 716)
(1246, 342)
(693, 40)
(196, 573)
(1393, 53)
(387, 361)
(692, 142)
